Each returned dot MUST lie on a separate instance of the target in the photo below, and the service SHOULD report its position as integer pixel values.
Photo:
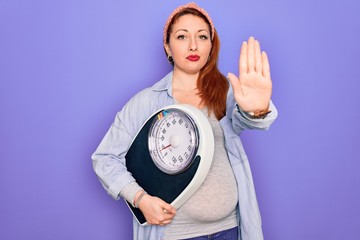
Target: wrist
(138, 197)
(258, 114)
(261, 114)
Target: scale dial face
(173, 141)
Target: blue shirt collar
(164, 84)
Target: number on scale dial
(173, 141)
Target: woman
(225, 205)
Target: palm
(252, 89)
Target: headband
(181, 8)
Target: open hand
(252, 89)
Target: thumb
(169, 208)
(235, 82)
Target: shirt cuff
(129, 192)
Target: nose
(193, 44)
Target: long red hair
(211, 83)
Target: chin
(191, 69)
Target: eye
(203, 37)
(181, 37)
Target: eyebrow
(185, 30)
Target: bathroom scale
(171, 155)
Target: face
(189, 44)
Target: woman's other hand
(253, 87)
(156, 211)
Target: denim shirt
(109, 157)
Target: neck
(184, 81)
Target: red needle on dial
(165, 147)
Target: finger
(235, 82)
(168, 217)
(168, 214)
(266, 65)
(251, 54)
(168, 209)
(165, 222)
(243, 67)
(258, 58)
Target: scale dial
(173, 141)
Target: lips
(193, 58)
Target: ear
(167, 49)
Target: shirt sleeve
(109, 158)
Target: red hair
(211, 83)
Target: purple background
(67, 67)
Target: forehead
(190, 21)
